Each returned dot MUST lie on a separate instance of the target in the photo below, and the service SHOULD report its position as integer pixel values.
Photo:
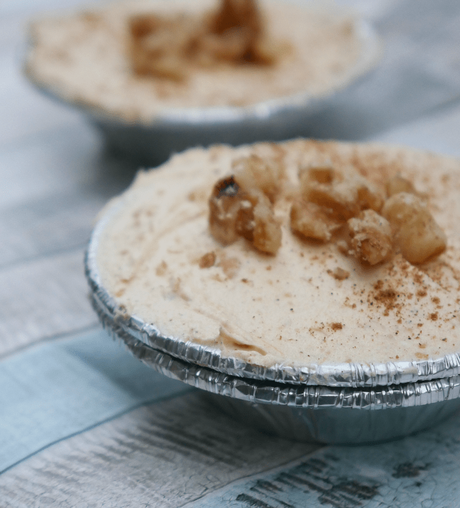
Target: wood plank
(42, 299)
(418, 72)
(24, 110)
(162, 455)
(60, 160)
(46, 226)
(50, 197)
(418, 471)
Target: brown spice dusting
(433, 316)
(387, 297)
(161, 268)
(207, 260)
(339, 273)
(229, 265)
(336, 326)
(170, 47)
(176, 287)
(417, 277)
(421, 293)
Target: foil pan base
(345, 416)
(153, 144)
(336, 426)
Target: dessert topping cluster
(167, 47)
(242, 204)
(331, 205)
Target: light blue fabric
(58, 389)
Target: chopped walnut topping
(267, 232)
(156, 46)
(168, 47)
(398, 184)
(312, 221)
(330, 195)
(207, 260)
(317, 172)
(224, 205)
(254, 172)
(239, 207)
(331, 205)
(370, 237)
(345, 194)
(416, 232)
(236, 33)
(339, 273)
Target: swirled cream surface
(311, 301)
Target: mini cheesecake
(297, 253)
(89, 58)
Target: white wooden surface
(55, 175)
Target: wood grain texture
(46, 226)
(57, 161)
(419, 471)
(42, 299)
(163, 455)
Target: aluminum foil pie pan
(331, 375)
(176, 129)
(317, 414)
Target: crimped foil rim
(222, 115)
(279, 394)
(352, 375)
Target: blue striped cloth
(56, 390)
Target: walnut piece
(313, 221)
(344, 194)
(207, 260)
(339, 273)
(157, 45)
(267, 232)
(170, 47)
(224, 205)
(370, 237)
(254, 172)
(416, 232)
(238, 206)
(398, 184)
